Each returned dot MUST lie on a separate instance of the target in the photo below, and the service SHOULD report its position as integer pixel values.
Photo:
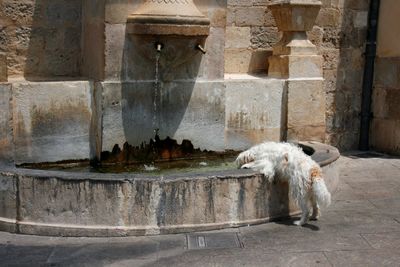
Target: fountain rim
(30, 194)
(319, 152)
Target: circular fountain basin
(59, 203)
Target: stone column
(295, 59)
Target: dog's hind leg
(316, 212)
(305, 212)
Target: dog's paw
(314, 217)
(243, 158)
(299, 223)
(247, 165)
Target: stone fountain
(157, 74)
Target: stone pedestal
(295, 59)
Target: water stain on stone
(70, 117)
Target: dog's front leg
(245, 158)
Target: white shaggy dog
(288, 162)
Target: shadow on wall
(343, 53)
(155, 96)
(54, 38)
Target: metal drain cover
(213, 240)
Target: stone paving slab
(359, 221)
(384, 240)
(352, 204)
(20, 255)
(102, 253)
(360, 228)
(389, 206)
(364, 258)
(246, 257)
(301, 242)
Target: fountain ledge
(55, 203)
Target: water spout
(202, 49)
(159, 47)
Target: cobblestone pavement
(360, 228)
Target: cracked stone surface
(360, 228)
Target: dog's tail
(321, 193)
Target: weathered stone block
(59, 13)
(388, 34)
(254, 111)
(316, 36)
(250, 16)
(387, 72)
(237, 60)
(216, 12)
(385, 135)
(93, 60)
(117, 12)
(237, 37)
(212, 63)
(38, 199)
(6, 147)
(3, 67)
(386, 103)
(306, 110)
(181, 110)
(114, 50)
(356, 4)
(51, 121)
(230, 16)
(331, 58)
(239, 3)
(329, 17)
(264, 37)
(18, 11)
(361, 19)
(302, 66)
(8, 197)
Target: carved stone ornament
(168, 17)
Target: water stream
(156, 94)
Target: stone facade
(56, 39)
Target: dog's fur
(288, 162)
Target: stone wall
(340, 35)
(385, 127)
(41, 38)
(250, 34)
